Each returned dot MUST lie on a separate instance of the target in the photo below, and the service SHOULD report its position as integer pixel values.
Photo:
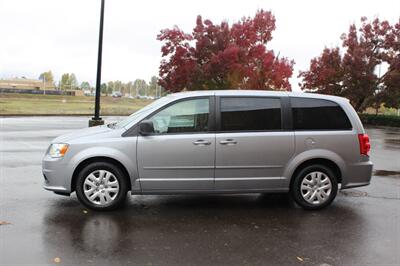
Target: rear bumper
(358, 175)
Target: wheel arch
(322, 161)
(90, 160)
(317, 156)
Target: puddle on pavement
(394, 133)
(354, 193)
(386, 173)
(392, 141)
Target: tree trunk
(359, 104)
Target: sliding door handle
(228, 142)
(202, 142)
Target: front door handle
(228, 142)
(202, 142)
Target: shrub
(380, 120)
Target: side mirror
(146, 127)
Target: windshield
(157, 103)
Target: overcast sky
(62, 35)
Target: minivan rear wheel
(314, 187)
(101, 186)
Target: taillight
(365, 146)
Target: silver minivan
(216, 142)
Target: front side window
(250, 114)
(183, 117)
(318, 114)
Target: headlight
(58, 150)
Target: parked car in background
(88, 93)
(216, 142)
(116, 94)
(144, 97)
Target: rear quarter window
(318, 114)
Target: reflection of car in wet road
(216, 142)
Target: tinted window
(244, 114)
(317, 114)
(185, 116)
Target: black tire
(295, 188)
(119, 175)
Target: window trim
(218, 99)
(134, 130)
(314, 130)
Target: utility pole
(96, 120)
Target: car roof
(266, 93)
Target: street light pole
(96, 120)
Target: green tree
(154, 88)
(85, 85)
(104, 88)
(47, 77)
(68, 82)
(110, 87)
(73, 81)
(122, 90)
(118, 85)
(64, 83)
(129, 87)
(140, 86)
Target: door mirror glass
(146, 127)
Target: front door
(180, 155)
(251, 147)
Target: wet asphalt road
(361, 227)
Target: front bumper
(358, 175)
(56, 175)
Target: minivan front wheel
(314, 187)
(101, 186)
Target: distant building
(23, 83)
(33, 86)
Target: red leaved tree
(353, 72)
(223, 56)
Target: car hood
(84, 132)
